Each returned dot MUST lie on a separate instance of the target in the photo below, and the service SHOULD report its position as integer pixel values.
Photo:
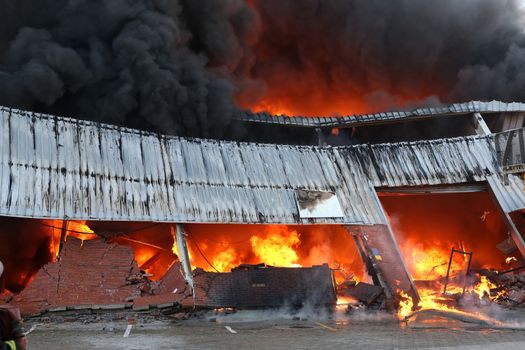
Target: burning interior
(212, 249)
(454, 244)
(137, 220)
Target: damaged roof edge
(382, 117)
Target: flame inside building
(425, 223)
(218, 248)
(427, 227)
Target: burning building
(100, 216)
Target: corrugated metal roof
(432, 162)
(58, 167)
(383, 117)
(52, 167)
(510, 194)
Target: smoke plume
(340, 56)
(185, 67)
(162, 65)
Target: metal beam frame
(479, 124)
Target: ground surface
(263, 330)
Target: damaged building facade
(99, 216)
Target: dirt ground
(268, 330)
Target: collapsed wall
(87, 273)
(98, 275)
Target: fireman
(12, 336)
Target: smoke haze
(185, 67)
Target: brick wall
(89, 272)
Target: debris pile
(508, 289)
(362, 294)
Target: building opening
(454, 244)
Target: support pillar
(380, 247)
(321, 140)
(184, 256)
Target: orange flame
(226, 260)
(510, 260)
(277, 247)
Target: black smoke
(168, 66)
(184, 66)
(318, 55)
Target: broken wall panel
(88, 273)
(384, 253)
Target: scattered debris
(229, 329)
(509, 287)
(128, 330)
(364, 292)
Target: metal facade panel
(510, 193)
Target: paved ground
(261, 330)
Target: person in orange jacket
(12, 336)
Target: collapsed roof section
(383, 117)
(53, 167)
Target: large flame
(211, 247)
(226, 259)
(223, 247)
(277, 247)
